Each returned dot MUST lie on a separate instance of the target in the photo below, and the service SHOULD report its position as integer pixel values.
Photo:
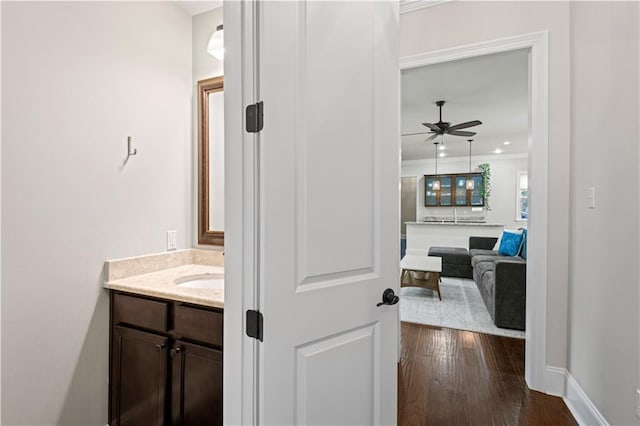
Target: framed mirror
(211, 161)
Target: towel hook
(130, 151)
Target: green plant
(485, 170)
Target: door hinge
(254, 117)
(254, 324)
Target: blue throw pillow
(510, 244)
(523, 246)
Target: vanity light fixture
(216, 43)
(436, 183)
(470, 182)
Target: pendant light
(436, 183)
(470, 182)
(216, 43)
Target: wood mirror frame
(205, 235)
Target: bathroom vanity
(166, 339)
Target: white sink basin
(205, 281)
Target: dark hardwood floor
(453, 377)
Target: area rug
(461, 308)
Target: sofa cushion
(487, 291)
(523, 247)
(482, 242)
(482, 252)
(451, 255)
(481, 267)
(483, 258)
(496, 247)
(510, 244)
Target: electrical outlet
(638, 403)
(172, 240)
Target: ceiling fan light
(436, 185)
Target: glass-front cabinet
(461, 191)
(453, 190)
(477, 197)
(446, 191)
(430, 195)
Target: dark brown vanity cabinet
(196, 385)
(166, 363)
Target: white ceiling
(492, 89)
(197, 7)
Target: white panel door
(329, 211)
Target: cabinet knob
(160, 346)
(175, 351)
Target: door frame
(240, 402)
(240, 353)
(536, 302)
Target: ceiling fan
(445, 128)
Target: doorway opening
(535, 47)
(481, 154)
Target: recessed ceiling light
(498, 151)
(507, 143)
(442, 154)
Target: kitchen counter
(156, 275)
(423, 235)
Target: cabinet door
(197, 385)
(138, 378)
(461, 191)
(476, 193)
(430, 195)
(446, 191)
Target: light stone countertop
(155, 276)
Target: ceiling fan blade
(432, 126)
(458, 133)
(412, 134)
(432, 137)
(465, 125)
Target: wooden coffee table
(421, 271)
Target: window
(522, 196)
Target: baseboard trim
(584, 411)
(555, 381)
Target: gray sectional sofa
(501, 279)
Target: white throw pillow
(513, 231)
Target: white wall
(503, 183)
(440, 27)
(204, 66)
(604, 306)
(77, 79)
